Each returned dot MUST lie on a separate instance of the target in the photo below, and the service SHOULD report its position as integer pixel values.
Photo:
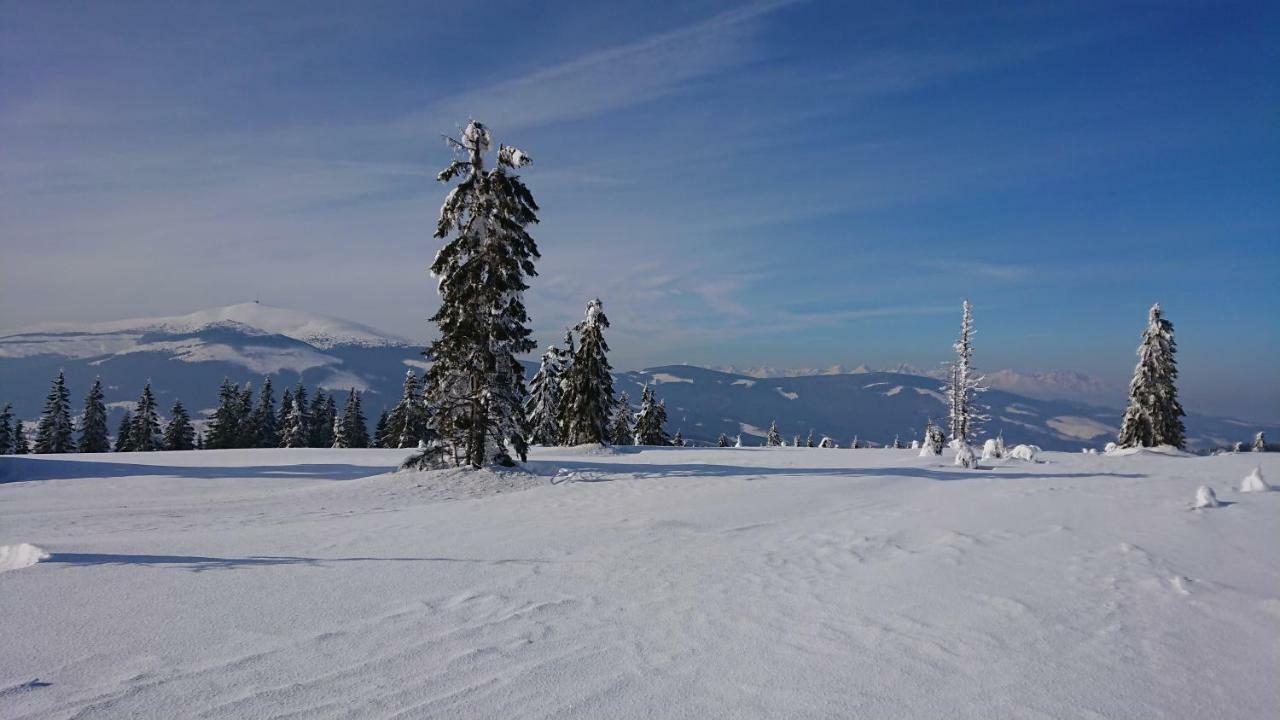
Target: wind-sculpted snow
(639, 583)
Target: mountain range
(186, 357)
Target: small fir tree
(775, 439)
(650, 420)
(94, 434)
(20, 444)
(380, 431)
(677, 440)
(6, 429)
(722, 441)
(144, 435)
(224, 425)
(124, 431)
(296, 433)
(588, 399)
(263, 421)
(543, 406)
(809, 441)
(178, 434)
(286, 409)
(965, 415)
(1154, 416)
(407, 422)
(1260, 442)
(53, 433)
(620, 430)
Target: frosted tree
(543, 407)
(321, 415)
(964, 415)
(144, 435)
(53, 434)
(795, 442)
(1260, 442)
(263, 422)
(224, 425)
(124, 430)
(286, 409)
(737, 441)
(351, 429)
(650, 420)
(897, 444)
(178, 434)
(1154, 416)
(854, 444)
(94, 434)
(722, 441)
(775, 439)
(588, 394)
(295, 433)
(827, 442)
(407, 422)
(380, 432)
(6, 429)
(809, 442)
(620, 430)
(934, 438)
(20, 445)
(475, 387)
(677, 440)
(247, 437)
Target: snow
(1254, 482)
(744, 382)
(1025, 452)
(893, 391)
(932, 393)
(628, 583)
(787, 395)
(22, 555)
(1079, 428)
(1205, 497)
(659, 378)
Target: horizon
(787, 184)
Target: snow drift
(16, 557)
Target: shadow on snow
(19, 469)
(199, 563)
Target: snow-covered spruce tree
(94, 434)
(124, 431)
(380, 431)
(6, 429)
(20, 445)
(1154, 416)
(178, 434)
(650, 419)
(355, 423)
(543, 406)
(722, 441)
(795, 441)
(809, 441)
(53, 434)
(737, 441)
(897, 443)
(1260, 442)
(407, 422)
(854, 444)
(588, 400)
(324, 420)
(475, 387)
(144, 435)
(965, 415)
(620, 431)
(935, 438)
(826, 442)
(774, 438)
(224, 425)
(265, 428)
(295, 433)
(677, 440)
(247, 436)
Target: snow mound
(1205, 497)
(1253, 482)
(1168, 450)
(965, 457)
(1024, 452)
(456, 483)
(16, 557)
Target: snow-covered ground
(691, 583)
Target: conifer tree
(340, 439)
(286, 409)
(965, 415)
(324, 418)
(296, 434)
(306, 413)
(588, 395)
(1154, 416)
(775, 439)
(124, 433)
(475, 386)
(144, 435)
(677, 440)
(20, 444)
(543, 406)
(6, 429)
(809, 441)
(355, 425)
(650, 419)
(247, 431)
(897, 444)
(722, 441)
(264, 428)
(53, 434)
(178, 434)
(407, 423)
(199, 441)
(1260, 442)
(93, 427)
(380, 431)
(620, 431)
(795, 442)
(224, 426)
(855, 445)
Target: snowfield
(664, 582)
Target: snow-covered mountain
(186, 357)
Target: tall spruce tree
(178, 434)
(965, 415)
(380, 432)
(264, 429)
(324, 418)
(296, 433)
(588, 395)
(475, 387)
(1260, 442)
(354, 424)
(650, 419)
(1154, 416)
(620, 431)
(145, 434)
(94, 434)
(124, 434)
(20, 444)
(224, 426)
(247, 437)
(543, 406)
(775, 439)
(286, 409)
(6, 429)
(407, 423)
(53, 434)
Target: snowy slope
(668, 583)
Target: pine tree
(354, 423)
(178, 434)
(224, 426)
(650, 420)
(124, 432)
(620, 432)
(144, 435)
(263, 425)
(795, 442)
(854, 444)
(475, 387)
(247, 435)
(6, 429)
(53, 434)
(588, 395)
(20, 444)
(775, 439)
(407, 423)
(677, 440)
(324, 418)
(1260, 442)
(543, 406)
(306, 414)
(380, 431)
(809, 442)
(897, 444)
(1154, 416)
(340, 439)
(286, 409)
(722, 441)
(296, 433)
(965, 415)
(199, 441)
(93, 427)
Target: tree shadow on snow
(602, 471)
(18, 469)
(200, 563)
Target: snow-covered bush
(1110, 448)
(1253, 482)
(991, 450)
(915, 444)
(827, 442)
(965, 457)
(1205, 497)
(1024, 452)
(928, 448)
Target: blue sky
(783, 183)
